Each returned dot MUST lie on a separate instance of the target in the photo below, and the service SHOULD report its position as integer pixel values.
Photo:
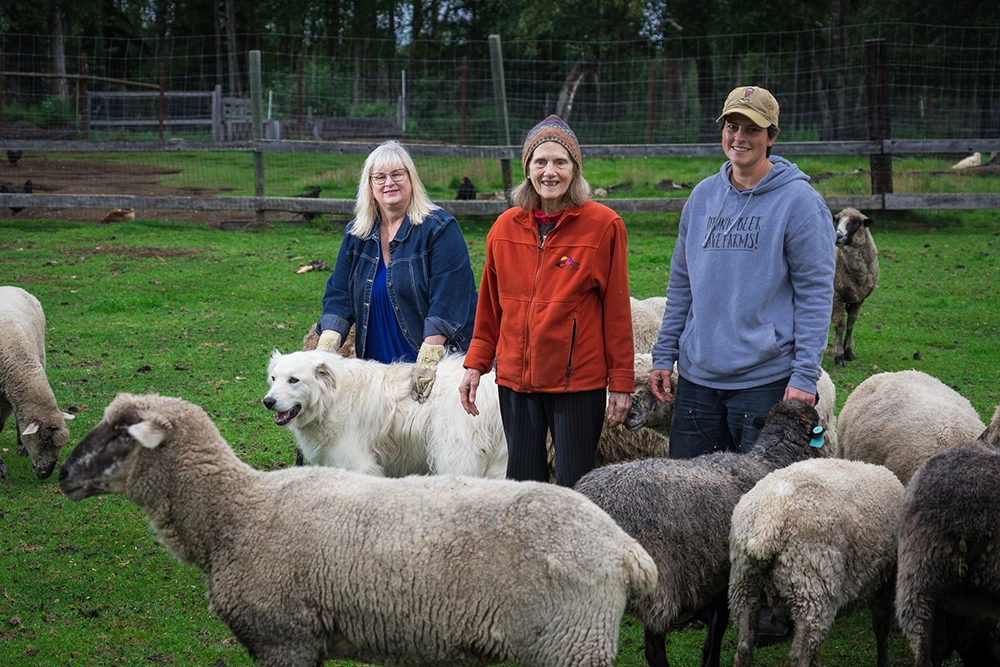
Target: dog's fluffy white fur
(358, 415)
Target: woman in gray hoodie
(750, 290)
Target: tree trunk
(59, 51)
(837, 35)
(580, 71)
(235, 87)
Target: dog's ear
(325, 375)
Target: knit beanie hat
(554, 129)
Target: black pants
(575, 421)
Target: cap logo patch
(747, 95)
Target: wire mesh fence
(942, 82)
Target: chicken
(118, 215)
(27, 188)
(311, 193)
(466, 190)
(13, 157)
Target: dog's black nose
(269, 403)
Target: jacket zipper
(569, 362)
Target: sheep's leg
(837, 318)
(812, 627)
(919, 621)
(656, 648)
(718, 618)
(744, 604)
(881, 609)
(853, 310)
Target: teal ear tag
(818, 438)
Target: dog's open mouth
(283, 418)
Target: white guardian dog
(358, 415)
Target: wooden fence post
(877, 112)
(163, 92)
(503, 124)
(257, 129)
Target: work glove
(424, 371)
(329, 341)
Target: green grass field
(192, 311)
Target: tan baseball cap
(755, 103)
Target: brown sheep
(855, 279)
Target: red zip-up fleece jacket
(556, 317)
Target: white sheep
(24, 386)
(814, 540)
(948, 579)
(647, 318)
(312, 563)
(680, 511)
(901, 419)
(854, 279)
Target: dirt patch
(144, 253)
(79, 177)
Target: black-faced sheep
(680, 511)
(901, 419)
(855, 278)
(314, 563)
(646, 411)
(949, 556)
(24, 387)
(811, 541)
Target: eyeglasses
(378, 178)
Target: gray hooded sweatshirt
(751, 283)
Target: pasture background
(192, 311)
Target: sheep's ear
(30, 429)
(68, 417)
(148, 434)
(324, 374)
(868, 221)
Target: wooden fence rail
(873, 202)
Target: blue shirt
(429, 280)
(385, 341)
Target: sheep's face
(102, 460)
(297, 383)
(847, 223)
(44, 439)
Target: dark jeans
(575, 420)
(707, 420)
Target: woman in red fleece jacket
(554, 314)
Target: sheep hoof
(848, 355)
(839, 361)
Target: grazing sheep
(855, 278)
(647, 318)
(309, 564)
(357, 414)
(814, 540)
(680, 512)
(949, 556)
(901, 419)
(24, 387)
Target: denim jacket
(430, 280)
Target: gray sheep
(680, 511)
(855, 278)
(901, 419)
(24, 387)
(647, 318)
(948, 583)
(814, 540)
(314, 563)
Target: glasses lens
(378, 178)
(398, 175)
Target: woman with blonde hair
(554, 312)
(403, 276)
